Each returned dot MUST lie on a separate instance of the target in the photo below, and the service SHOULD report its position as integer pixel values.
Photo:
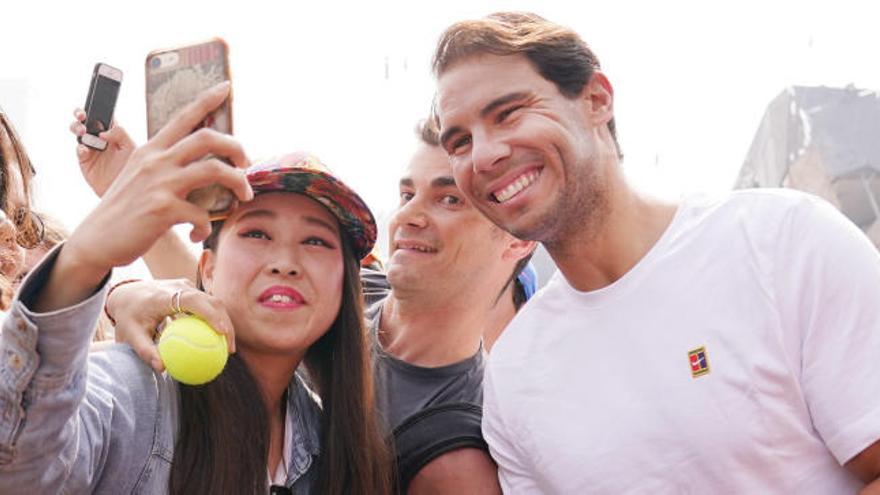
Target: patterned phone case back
(176, 76)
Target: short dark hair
(428, 132)
(558, 53)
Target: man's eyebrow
(486, 110)
(447, 135)
(443, 181)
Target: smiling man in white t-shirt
(717, 345)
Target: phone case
(174, 77)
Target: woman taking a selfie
(285, 265)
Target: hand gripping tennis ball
(192, 351)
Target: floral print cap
(303, 173)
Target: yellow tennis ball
(192, 351)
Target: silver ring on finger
(175, 303)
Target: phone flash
(164, 60)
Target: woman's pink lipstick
(281, 297)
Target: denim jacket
(78, 422)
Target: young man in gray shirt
(449, 272)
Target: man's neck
(430, 331)
(499, 318)
(598, 256)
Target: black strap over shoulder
(432, 432)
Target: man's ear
(598, 98)
(206, 270)
(518, 249)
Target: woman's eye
(255, 234)
(317, 241)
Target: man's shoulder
(761, 202)
(773, 214)
(779, 202)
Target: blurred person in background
(20, 228)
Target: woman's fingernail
(221, 87)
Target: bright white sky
(348, 81)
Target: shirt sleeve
(504, 444)
(54, 426)
(829, 288)
(375, 286)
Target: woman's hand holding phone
(100, 168)
(175, 76)
(159, 175)
(147, 199)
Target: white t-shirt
(740, 355)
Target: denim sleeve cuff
(56, 341)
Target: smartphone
(174, 77)
(100, 102)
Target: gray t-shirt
(403, 389)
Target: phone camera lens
(155, 62)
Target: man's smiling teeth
(515, 187)
(416, 247)
(280, 298)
